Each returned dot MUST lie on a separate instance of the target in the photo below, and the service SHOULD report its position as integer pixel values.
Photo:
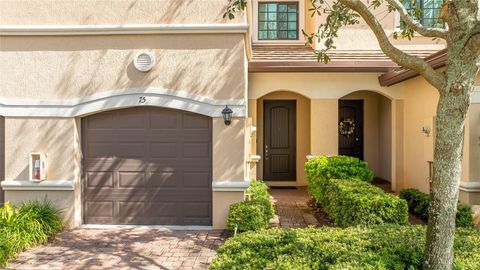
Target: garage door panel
(164, 119)
(131, 209)
(148, 166)
(132, 179)
(197, 180)
(164, 179)
(195, 121)
(100, 179)
(164, 149)
(100, 149)
(100, 121)
(100, 208)
(131, 120)
(196, 209)
(196, 149)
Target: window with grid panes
(430, 11)
(278, 21)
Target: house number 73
(142, 100)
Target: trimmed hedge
(375, 247)
(339, 167)
(253, 214)
(29, 224)
(341, 185)
(418, 204)
(353, 202)
(336, 167)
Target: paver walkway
(292, 208)
(137, 248)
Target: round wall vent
(144, 61)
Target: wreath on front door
(346, 127)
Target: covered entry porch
(299, 115)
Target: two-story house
(125, 104)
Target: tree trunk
(451, 113)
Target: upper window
(278, 21)
(430, 11)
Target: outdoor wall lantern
(227, 115)
(426, 131)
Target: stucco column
(323, 127)
(229, 167)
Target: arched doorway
(147, 165)
(365, 131)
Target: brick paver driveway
(132, 248)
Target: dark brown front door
(280, 140)
(147, 166)
(2, 158)
(350, 128)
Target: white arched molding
(118, 99)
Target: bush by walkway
(375, 247)
(27, 225)
(341, 185)
(253, 214)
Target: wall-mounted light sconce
(227, 115)
(426, 131)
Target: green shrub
(27, 225)
(253, 214)
(341, 185)
(353, 202)
(418, 204)
(375, 247)
(259, 194)
(464, 216)
(246, 216)
(338, 167)
(320, 169)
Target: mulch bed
(319, 214)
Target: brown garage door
(147, 166)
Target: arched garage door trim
(147, 165)
(118, 99)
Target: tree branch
(416, 26)
(414, 63)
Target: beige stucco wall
(474, 142)
(78, 66)
(221, 206)
(47, 12)
(318, 85)
(229, 161)
(420, 109)
(62, 200)
(53, 136)
(360, 37)
(302, 130)
(324, 127)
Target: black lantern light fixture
(227, 115)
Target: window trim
(300, 22)
(397, 19)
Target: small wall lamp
(227, 115)
(426, 130)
